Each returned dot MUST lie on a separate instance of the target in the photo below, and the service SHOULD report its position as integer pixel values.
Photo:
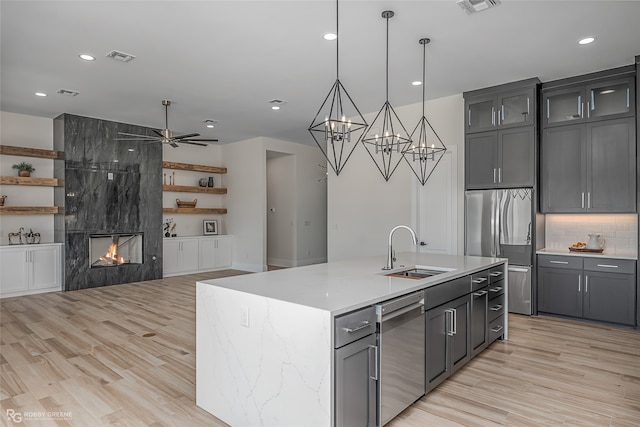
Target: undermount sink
(418, 273)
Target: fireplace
(112, 250)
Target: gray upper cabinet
(588, 147)
(501, 109)
(500, 136)
(579, 103)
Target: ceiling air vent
(474, 6)
(68, 92)
(120, 56)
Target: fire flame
(111, 257)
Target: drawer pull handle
(364, 324)
(559, 262)
(496, 329)
(496, 274)
(496, 289)
(479, 294)
(496, 308)
(483, 279)
(607, 265)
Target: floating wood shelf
(195, 210)
(194, 168)
(29, 210)
(193, 189)
(33, 181)
(10, 150)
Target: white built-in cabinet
(30, 269)
(184, 255)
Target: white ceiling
(224, 60)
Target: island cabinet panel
(447, 340)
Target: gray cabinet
(479, 332)
(503, 159)
(589, 168)
(501, 107)
(500, 136)
(447, 340)
(356, 370)
(588, 147)
(601, 289)
(604, 98)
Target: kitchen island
(265, 342)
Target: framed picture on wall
(210, 226)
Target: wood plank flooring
(124, 355)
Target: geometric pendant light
(338, 126)
(386, 139)
(427, 148)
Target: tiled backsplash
(620, 232)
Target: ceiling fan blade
(193, 143)
(156, 132)
(138, 136)
(137, 139)
(201, 140)
(173, 144)
(189, 135)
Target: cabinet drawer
(480, 280)
(496, 289)
(496, 308)
(496, 329)
(353, 326)
(610, 265)
(558, 261)
(497, 274)
(445, 292)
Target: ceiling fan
(166, 135)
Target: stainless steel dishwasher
(401, 344)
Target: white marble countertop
(608, 253)
(343, 286)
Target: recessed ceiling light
(86, 57)
(131, 149)
(329, 36)
(210, 126)
(275, 107)
(41, 94)
(416, 83)
(587, 40)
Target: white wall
(33, 132)
(247, 201)
(363, 208)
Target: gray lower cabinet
(601, 289)
(447, 340)
(356, 369)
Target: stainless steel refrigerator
(498, 223)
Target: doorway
(281, 218)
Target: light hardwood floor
(124, 355)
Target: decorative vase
(210, 181)
(24, 173)
(203, 182)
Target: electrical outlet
(244, 317)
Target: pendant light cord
(387, 59)
(337, 44)
(424, 75)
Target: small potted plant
(24, 168)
